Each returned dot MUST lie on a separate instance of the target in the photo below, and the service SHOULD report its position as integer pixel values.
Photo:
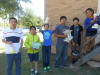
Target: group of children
(13, 39)
(61, 45)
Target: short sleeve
(85, 23)
(57, 30)
(4, 34)
(51, 31)
(42, 31)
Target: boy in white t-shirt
(13, 39)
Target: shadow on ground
(83, 70)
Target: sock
(32, 69)
(36, 71)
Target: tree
(30, 19)
(10, 7)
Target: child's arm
(53, 30)
(62, 36)
(4, 39)
(40, 30)
(73, 43)
(21, 45)
(27, 43)
(57, 35)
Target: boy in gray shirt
(61, 45)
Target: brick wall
(70, 8)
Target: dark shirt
(76, 29)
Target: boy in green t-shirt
(32, 44)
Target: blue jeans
(61, 54)
(46, 53)
(11, 58)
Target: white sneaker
(71, 66)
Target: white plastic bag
(95, 26)
(69, 36)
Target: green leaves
(30, 19)
(10, 7)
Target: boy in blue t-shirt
(46, 47)
(90, 32)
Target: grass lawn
(83, 70)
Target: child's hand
(65, 36)
(92, 21)
(10, 43)
(77, 45)
(73, 43)
(31, 48)
(40, 29)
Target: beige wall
(70, 8)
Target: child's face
(89, 14)
(63, 21)
(33, 31)
(46, 27)
(12, 23)
(75, 22)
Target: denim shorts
(91, 33)
(33, 57)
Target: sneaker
(64, 67)
(71, 66)
(37, 73)
(49, 68)
(45, 69)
